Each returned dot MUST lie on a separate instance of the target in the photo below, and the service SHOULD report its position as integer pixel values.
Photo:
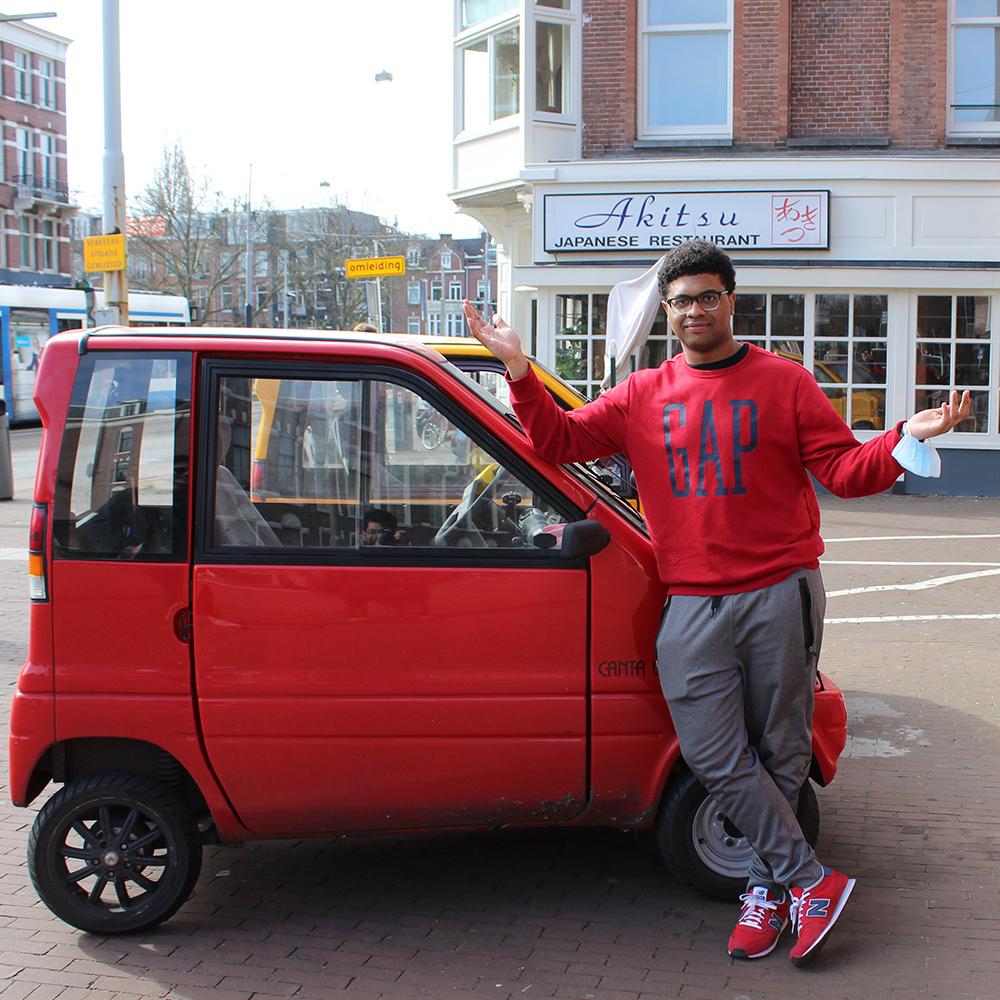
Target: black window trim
(213, 369)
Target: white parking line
(895, 562)
(903, 538)
(902, 618)
(993, 570)
(937, 581)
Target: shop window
(974, 66)
(953, 352)
(849, 356)
(580, 345)
(844, 337)
(686, 61)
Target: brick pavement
(591, 913)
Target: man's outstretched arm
(500, 340)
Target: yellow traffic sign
(375, 267)
(104, 253)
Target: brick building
(845, 152)
(440, 273)
(34, 195)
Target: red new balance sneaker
(760, 924)
(815, 911)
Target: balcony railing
(41, 189)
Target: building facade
(846, 153)
(35, 205)
(440, 273)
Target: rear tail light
(38, 588)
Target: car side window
(354, 464)
(121, 492)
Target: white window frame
(489, 31)
(22, 76)
(25, 155)
(48, 244)
(26, 231)
(413, 325)
(455, 324)
(454, 291)
(563, 18)
(991, 391)
(47, 84)
(955, 23)
(649, 31)
(50, 161)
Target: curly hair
(696, 257)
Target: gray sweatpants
(738, 673)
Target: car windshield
(611, 476)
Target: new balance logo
(818, 908)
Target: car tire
(114, 853)
(700, 845)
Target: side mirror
(583, 538)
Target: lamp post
(115, 282)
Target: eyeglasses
(707, 300)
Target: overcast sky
(287, 87)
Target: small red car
(267, 603)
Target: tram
(30, 314)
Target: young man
(722, 439)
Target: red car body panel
(308, 700)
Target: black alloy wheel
(114, 853)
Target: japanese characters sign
(657, 221)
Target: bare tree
(174, 235)
(317, 244)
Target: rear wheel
(700, 844)
(114, 853)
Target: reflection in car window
(355, 464)
(122, 487)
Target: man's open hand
(499, 339)
(941, 419)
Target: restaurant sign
(657, 221)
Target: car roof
(220, 335)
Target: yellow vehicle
(469, 355)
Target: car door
(385, 634)
(120, 550)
